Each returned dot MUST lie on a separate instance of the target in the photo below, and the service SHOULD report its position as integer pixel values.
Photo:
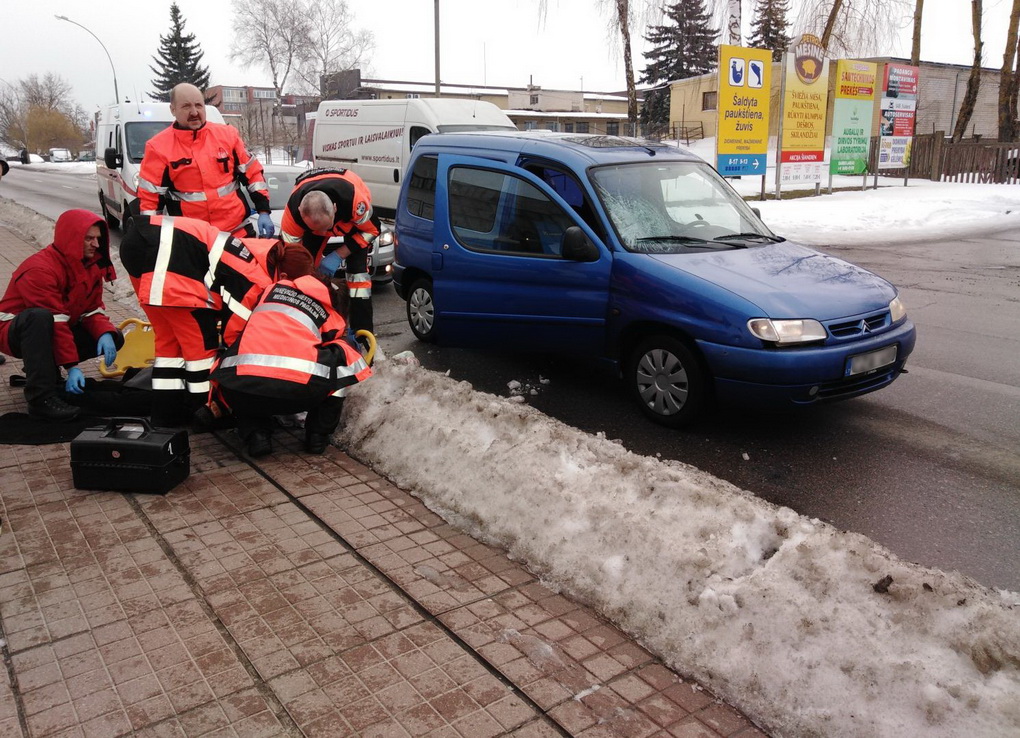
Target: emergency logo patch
(360, 211)
(238, 249)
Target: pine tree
(685, 48)
(768, 29)
(179, 60)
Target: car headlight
(897, 310)
(784, 332)
(134, 181)
(386, 238)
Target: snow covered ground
(809, 630)
(794, 622)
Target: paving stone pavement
(295, 595)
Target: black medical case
(129, 455)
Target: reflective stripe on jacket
(293, 347)
(197, 174)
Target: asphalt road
(928, 467)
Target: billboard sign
(898, 109)
(805, 95)
(851, 116)
(742, 141)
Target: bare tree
(1007, 113)
(37, 113)
(857, 27)
(269, 34)
(915, 47)
(625, 17)
(49, 92)
(333, 43)
(974, 81)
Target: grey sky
(498, 43)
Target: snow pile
(790, 620)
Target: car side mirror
(757, 212)
(112, 159)
(577, 246)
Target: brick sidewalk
(301, 595)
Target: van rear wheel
(421, 310)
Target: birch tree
(974, 80)
(1007, 112)
(855, 27)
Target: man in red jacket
(53, 313)
(196, 169)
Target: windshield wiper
(679, 239)
(748, 237)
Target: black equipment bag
(129, 455)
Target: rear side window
(421, 190)
(493, 211)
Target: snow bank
(780, 615)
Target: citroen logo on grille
(865, 328)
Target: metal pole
(116, 93)
(437, 48)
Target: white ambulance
(374, 138)
(121, 134)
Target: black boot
(259, 444)
(315, 443)
(52, 408)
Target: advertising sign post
(898, 109)
(742, 141)
(851, 118)
(802, 123)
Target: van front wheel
(667, 380)
(421, 310)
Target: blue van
(640, 255)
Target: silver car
(280, 179)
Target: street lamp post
(116, 93)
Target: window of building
(612, 128)
(582, 127)
(530, 125)
(265, 94)
(709, 100)
(552, 126)
(534, 99)
(568, 127)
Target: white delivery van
(61, 155)
(121, 134)
(374, 138)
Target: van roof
(588, 148)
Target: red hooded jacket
(57, 280)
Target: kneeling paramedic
(330, 212)
(292, 357)
(192, 280)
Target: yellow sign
(855, 80)
(805, 94)
(745, 81)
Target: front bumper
(779, 378)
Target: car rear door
(499, 276)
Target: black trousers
(31, 339)
(255, 412)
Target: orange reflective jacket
(354, 218)
(293, 347)
(198, 174)
(183, 262)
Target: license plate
(870, 361)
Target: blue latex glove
(266, 227)
(75, 381)
(107, 348)
(330, 263)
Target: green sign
(851, 136)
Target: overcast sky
(496, 43)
